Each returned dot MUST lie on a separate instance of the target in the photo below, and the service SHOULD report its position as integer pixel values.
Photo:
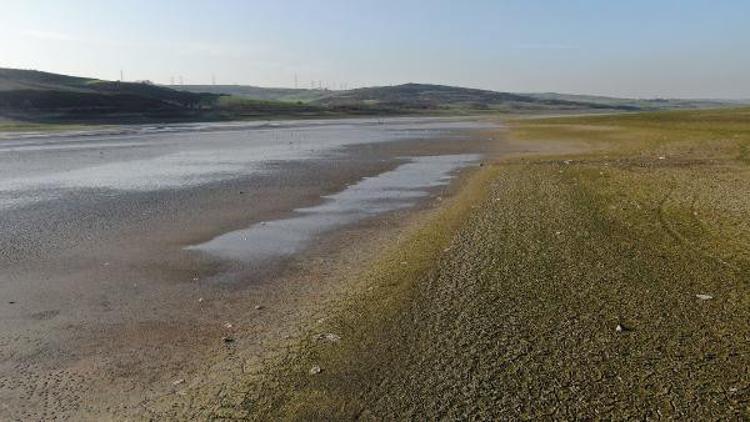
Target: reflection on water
(389, 191)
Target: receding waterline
(399, 188)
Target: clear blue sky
(688, 48)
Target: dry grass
(505, 305)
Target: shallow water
(389, 191)
(157, 158)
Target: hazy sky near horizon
(641, 48)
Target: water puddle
(396, 189)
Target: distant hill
(255, 92)
(403, 97)
(34, 91)
(414, 96)
(642, 104)
(43, 96)
(435, 97)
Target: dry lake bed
(127, 252)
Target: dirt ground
(611, 283)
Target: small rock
(620, 328)
(331, 337)
(315, 370)
(662, 157)
(227, 325)
(704, 297)
(228, 339)
(178, 382)
(567, 161)
(200, 300)
(258, 307)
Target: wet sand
(107, 313)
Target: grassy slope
(255, 92)
(652, 104)
(440, 97)
(508, 308)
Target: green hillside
(34, 96)
(29, 93)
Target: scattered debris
(321, 320)
(315, 370)
(106, 264)
(258, 307)
(567, 161)
(195, 278)
(200, 300)
(228, 325)
(620, 328)
(704, 297)
(661, 157)
(11, 302)
(178, 382)
(404, 262)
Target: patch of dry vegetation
(613, 284)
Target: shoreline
(142, 353)
(298, 298)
